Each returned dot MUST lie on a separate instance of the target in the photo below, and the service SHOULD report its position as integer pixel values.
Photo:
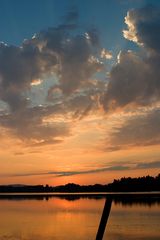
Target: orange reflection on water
(78, 219)
(52, 219)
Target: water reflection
(77, 217)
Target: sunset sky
(79, 90)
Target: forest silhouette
(140, 184)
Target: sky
(79, 90)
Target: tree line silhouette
(140, 184)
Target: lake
(77, 217)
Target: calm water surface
(61, 218)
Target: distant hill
(16, 185)
(140, 184)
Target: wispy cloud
(155, 164)
(126, 166)
(70, 173)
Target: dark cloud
(30, 127)
(140, 130)
(72, 16)
(19, 66)
(71, 57)
(155, 164)
(80, 105)
(70, 173)
(144, 27)
(76, 63)
(58, 52)
(132, 81)
(135, 79)
(33, 125)
(76, 54)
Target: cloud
(139, 130)
(123, 167)
(144, 27)
(76, 54)
(72, 16)
(19, 66)
(135, 79)
(71, 59)
(131, 82)
(30, 127)
(71, 173)
(155, 164)
(106, 54)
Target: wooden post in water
(104, 218)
